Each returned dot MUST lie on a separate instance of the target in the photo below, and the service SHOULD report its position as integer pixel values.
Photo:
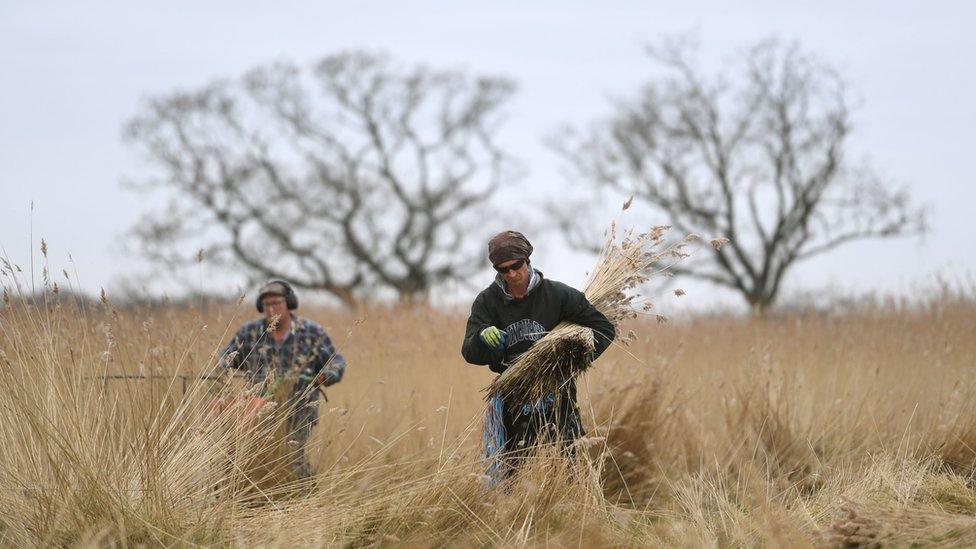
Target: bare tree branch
(757, 158)
(352, 175)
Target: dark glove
(325, 378)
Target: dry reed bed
(801, 429)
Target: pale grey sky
(73, 72)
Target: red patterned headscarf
(508, 245)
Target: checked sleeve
(236, 351)
(331, 361)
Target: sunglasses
(513, 267)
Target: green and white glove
(494, 338)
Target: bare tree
(760, 161)
(351, 175)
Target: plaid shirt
(305, 352)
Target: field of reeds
(807, 429)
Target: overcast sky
(73, 72)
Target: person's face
(274, 305)
(514, 271)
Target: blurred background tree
(353, 175)
(756, 154)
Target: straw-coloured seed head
(273, 323)
(588, 442)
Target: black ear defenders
(291, 299)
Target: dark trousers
(556, 421)
(300, 423)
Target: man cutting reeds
(507, 319)
(289, 358)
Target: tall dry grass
(802, 429)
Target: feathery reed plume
(567, 350)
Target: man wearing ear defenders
(296, 350)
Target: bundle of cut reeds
(567, 350)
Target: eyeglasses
(273, 302)
(513, 267)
